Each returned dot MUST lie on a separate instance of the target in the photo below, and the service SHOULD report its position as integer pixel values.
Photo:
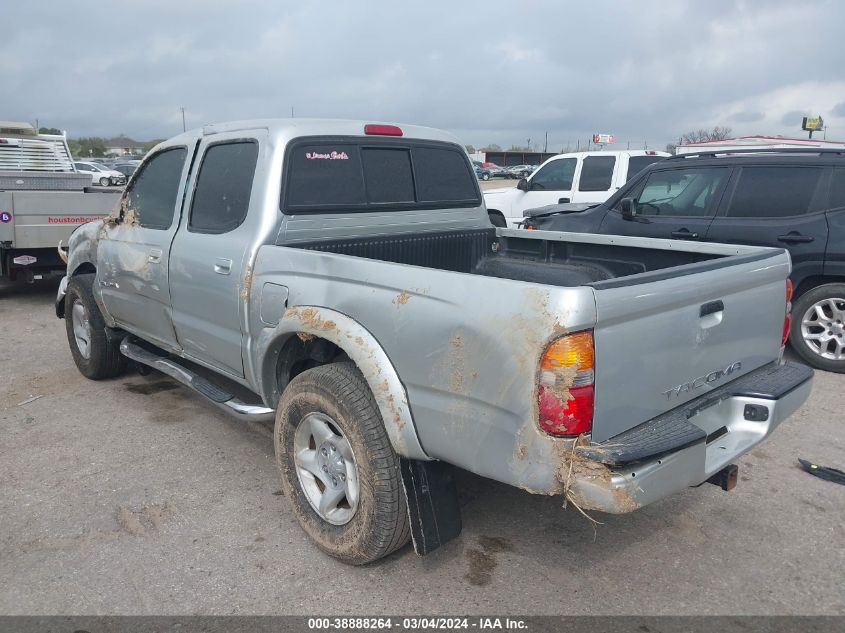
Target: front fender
(364, 350)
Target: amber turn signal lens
(573, 350)
(788, 290)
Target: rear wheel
(95, 355)
(485, 176)
(337, 465)
(818, 327)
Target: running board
(220, 397)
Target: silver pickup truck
(344, 279)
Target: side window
(680, 192)
(597, 173)
(387, 173)
(774, 192)
(837, 190)
(555, 176)
(443, 176)
(637, 163)
(224, 184)
(152, 196)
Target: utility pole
(291, 112)
(184, 129)
(546, 143)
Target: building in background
(759, 142)
(122, 146)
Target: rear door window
(350, 176)
(555, 176)
(837, 190)
(224, 184)
(775, 192)
(681, 192)
(637, 163)
(597, 173)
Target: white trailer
(42, 200)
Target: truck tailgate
(667, 337)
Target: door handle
(684, 234)
(222, 266)
(155, 256)
(795, 238)
(563, 200)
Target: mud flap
(432, 503)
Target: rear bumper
(687, 445)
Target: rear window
(774, 192)
(326, 174)
(596, 173)
(637, 163)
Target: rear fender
(364, 350)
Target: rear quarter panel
(465, 347)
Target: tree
(470, 149)
(87, 147)
(49, 130)
(718, 133)
(491, 148)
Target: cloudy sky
(492, 72)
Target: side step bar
(223, 399)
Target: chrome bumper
(727, 429)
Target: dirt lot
(133, 496)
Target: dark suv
(794, 199)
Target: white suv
(576, 177)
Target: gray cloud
(794, 117)
(838, 110)
(500, 72)
(747, 117)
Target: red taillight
(565, 393)
(787, 323)
(787, 319)
(382, 130)
(573, 417)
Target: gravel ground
(133, 496)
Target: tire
(99, 358)
(820, 312)
(497, 219)
(321, 409)
(485, 176)
(525, 174)
(104, 182)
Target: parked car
(482, 173)
(127, 169)
(780, 198)
(521, 171)
(100, 174)
(347, 276)
(575, 177)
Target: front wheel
(485, 176)
(337, 465)
(104, 182)
(818, 327)
(95, 355)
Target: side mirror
(522, 185)
(627, 208)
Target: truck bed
(553, 259)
